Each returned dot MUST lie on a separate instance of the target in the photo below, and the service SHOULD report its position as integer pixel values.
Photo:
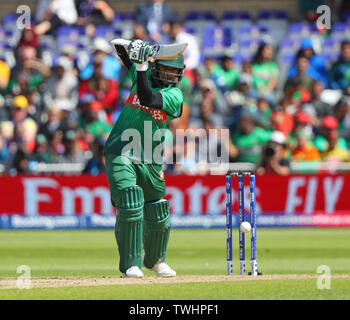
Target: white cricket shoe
(133, 272)
(163, 270)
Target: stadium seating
(346, 15)
(331, 45)
(106, 32)
(276, 21)
(235, 19)
(300, 30)
(199, 19)
(9, 20)
(71, 32)
(47, 42)
(341, 30)
(248, 47)
(124, 21)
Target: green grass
(190, 252)
(281, 289)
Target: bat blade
(167, 51)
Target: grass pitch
(93, 254)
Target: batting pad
(128, 227)
(156, 231)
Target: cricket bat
(166, 51)
(158, 51)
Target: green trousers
(142, 217)
(122, 173)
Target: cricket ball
(245, 226)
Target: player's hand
(138, 51)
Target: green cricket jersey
(262, 74)
(145, 121)
(250, 145)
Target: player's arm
(144, 91)
(138, 52)
(120, 47)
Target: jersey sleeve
(172, 101)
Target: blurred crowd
(61, 112)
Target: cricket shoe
(161, 269)
(133, 272)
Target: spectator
(342, 114)
(103, 89)
(95, 126)
(272, 160)
(301, 75)
(59, 13)
(4, 152)
(225, 74)
(204, 79)
(54, 123)
(152, 17)
(186, 86)
(21, 129)
(243, 94)
(207, 113)
(29, 72)
(262, 113)
(72, 151)
(265, 72)
(249, 139)
(334, 152)
(304, 150)
(92, 13)
(56, 145)
(205, 69)
(323, 140)
(339, 77)
(68, 52)
(5, 73)
(207, 105)
(316, 68)
(42, 152)
(317, 108)
(296, 93)
(282, 118)
(20, 162)
(192, 53)
(247, 67)
(302, 121)
(29, 38)
(111, 67)
(139, 32)
(62, 85)
(96, 163)
(243, 98)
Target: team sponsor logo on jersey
(158, 115)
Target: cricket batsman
(137, 186)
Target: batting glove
(138, 51)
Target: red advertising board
(317, 199)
